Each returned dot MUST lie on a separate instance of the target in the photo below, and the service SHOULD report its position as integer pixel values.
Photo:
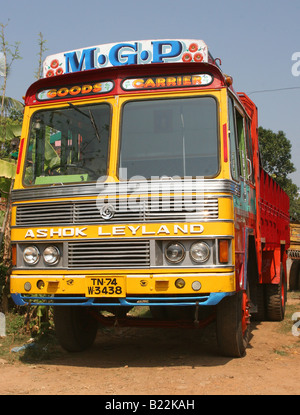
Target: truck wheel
(75, 328)
(233, 324)
(276, 299)
(294, 279)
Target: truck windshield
(68, 145)
(169, 137)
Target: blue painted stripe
(206, 300)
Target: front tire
(233, 324)
(75, 328)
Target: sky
(256, 41)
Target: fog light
(27, 286)
(196, 285)
(40, 284)
(179, 283)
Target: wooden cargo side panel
(274, 212)
(274, 228)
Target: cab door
(241, 172)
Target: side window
(249, 150)
(241, 143)
(235, 171)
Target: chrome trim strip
(129, 187)
(33, 227)
(174, 275)
(21, 203)
(127, 238)
(129, 267)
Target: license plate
(105, 287)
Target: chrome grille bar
(153, 210)
(49, 213)
(109, 254)
(124, 188)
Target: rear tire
(294, 278)
(276, 299)
(75, 328)
(233, 325)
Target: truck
(139, 184)
(293, 261)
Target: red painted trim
(20, 155)
(225, 143)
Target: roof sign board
(159, 82)
(71, 91)
(126, 53)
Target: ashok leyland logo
(107, 211)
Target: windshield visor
(68, 145)
(169, 137)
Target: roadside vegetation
(27, 339)
(31, 338)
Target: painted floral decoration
(193, 54)
(54, 69)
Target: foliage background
(276, 154)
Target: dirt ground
(173, 362)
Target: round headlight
(200, 252)
(51, 255)
(175, 252)
(31, 255)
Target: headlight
(175, 252)
(31, 255)
(51, 255)
(200, 252)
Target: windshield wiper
(94, 125)
(90, 117)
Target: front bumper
(143, 289)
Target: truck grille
(109, 254)
(160, 209)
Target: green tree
(9, 54)
(11, 110)
(42, 49)
(275, 150)
(10, 128)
